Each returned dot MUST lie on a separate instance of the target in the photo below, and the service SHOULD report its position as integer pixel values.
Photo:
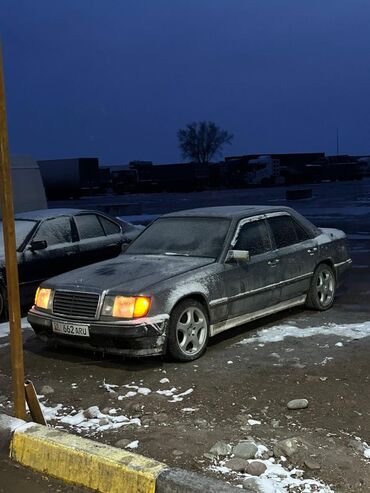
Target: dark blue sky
(117, 78)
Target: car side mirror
(237, 256)
(38, 245)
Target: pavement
(247, 375)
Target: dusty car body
(52, 241)
(200, 272)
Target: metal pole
(11, 266)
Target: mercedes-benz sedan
(191, 275)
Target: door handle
(312, 251)
(273, 263)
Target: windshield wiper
(174, 254)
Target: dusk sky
(117, 78)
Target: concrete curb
(94, 465)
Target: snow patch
(281, 332)
(4, 327)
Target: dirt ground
(232, 383)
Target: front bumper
(144, 337)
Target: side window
(283, 230)
(55, 231)
(254, 237)
(110, 228)
(302, 234)
(88, 226)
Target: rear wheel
(188, 331)
(322, 290)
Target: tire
(322, 290)
(188, 332)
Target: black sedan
(191, 275)
(52, 241)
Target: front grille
(75, 304)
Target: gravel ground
(248, 373)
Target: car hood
(130, 274)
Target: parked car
(191, 275)
(53, 241)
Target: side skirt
(249, 317)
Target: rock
(104, 422)
(177, 453)
(46, 389)
(122, 443)
(245, 450)
(312, 465)
(209, 456)
(92, 412)
(275, 423)
(236, 464)
(287, 447)
(297, 404)
(357, 445)
(255, 468)
(146, 422)
(160, 418)
(201, 423)
(220, 449)
(252, 485)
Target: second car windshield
(23, 228)
(187, 236)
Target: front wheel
(188, 331)
(322, 290)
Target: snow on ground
(4, 327)
(280, 332)
(276, 479)
(90, 421)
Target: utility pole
(11, 266)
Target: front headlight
(126, 306)
(44, 298)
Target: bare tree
(201, 141)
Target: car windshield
(22, 229)
(186, 236)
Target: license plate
(71, 329)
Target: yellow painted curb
(84, 462)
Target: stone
(255, 468)
(312, 465)
(357, 445)
(221, 449)
(287, 447)
(201, 423)
(46, 389)
(245, 450)
(160, 418)
(297, 404)
(122, 443)
(252, 485)
(236, 464)
(104, 422)
(177, 453)
(92, 412)
(275, 423)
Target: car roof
(41, 214)
(230, 212)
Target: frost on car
(189, 276)
(53, 241)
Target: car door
(296, 252)
(94, 244)
(60, 255)
(251, 286)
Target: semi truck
(70, 178)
